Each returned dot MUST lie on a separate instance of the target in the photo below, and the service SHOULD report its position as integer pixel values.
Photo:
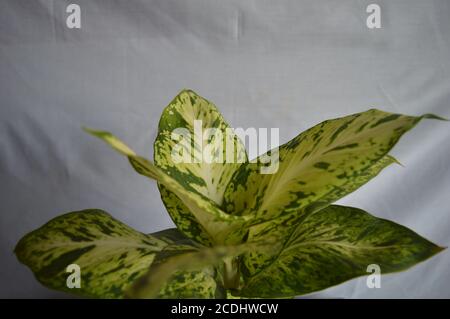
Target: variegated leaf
(182, 282)
(332, 246)
(217, 226)
(279, 227)
(318, 166)
(198, 283)
(196, 147)
(111, 255)
(177, 259)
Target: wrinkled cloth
(288, 64)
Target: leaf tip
(186, 91)
(93, 132)
(396, 161)
(96, 133)
(440, 248)
(434, 117)
(436, 249)
(110, 139)
(19, 247)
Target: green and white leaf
(318, 166)
(332, 246)
(111, 255)
(202, 157)
(218, 226)
(281, 226)
(175, 260)
(198, 283)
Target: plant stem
(230, 273)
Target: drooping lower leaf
(196, 146)
(216, 226)
(331, 246)
(111, 255)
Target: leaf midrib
(100, 243)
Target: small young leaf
(332, 246)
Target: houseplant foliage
(238, 232)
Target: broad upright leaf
(318, 166)
(196, 147)
(332, 246)
(217, 226)
(111, 255)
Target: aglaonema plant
(239, 233)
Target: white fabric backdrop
(287, 64)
